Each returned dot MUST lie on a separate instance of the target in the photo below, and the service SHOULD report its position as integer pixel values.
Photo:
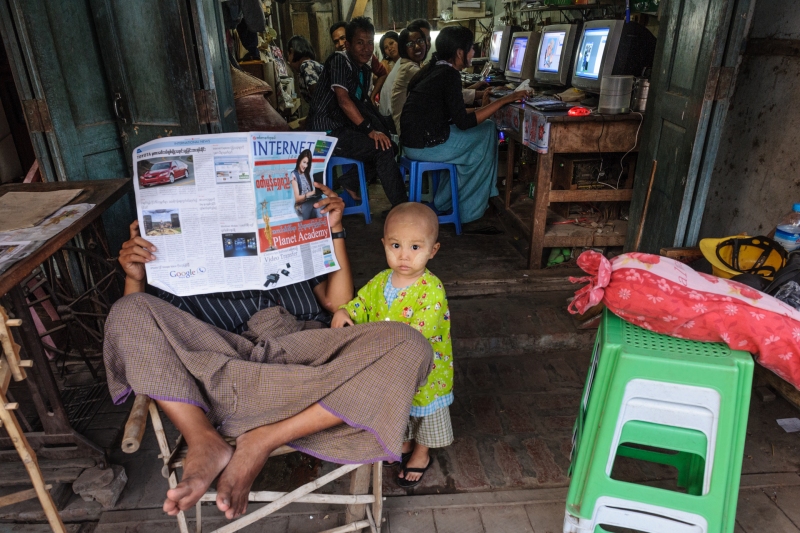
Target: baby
(407, 292)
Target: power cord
(635, 142)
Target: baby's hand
(341, 318)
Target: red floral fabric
(665, 296)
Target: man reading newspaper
(260, 366)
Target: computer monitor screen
(516, 55)
(552, 49)
(495, 47)
(590, 52)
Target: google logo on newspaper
(187, 274)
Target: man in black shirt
(345, 112)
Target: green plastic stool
(688, 399)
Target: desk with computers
(568, 55)
(555, 59)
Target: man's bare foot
(252, 450)
(205, 459)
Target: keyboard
(545, 103)
(500, 93)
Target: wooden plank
(591, 137)
(359, 484)
(357, 9)
(10, 349)
(509, 171)
(684, 255)
(21, 496)
(102, 193)
(784, 388)
(544, 172)
(12, 474)
(591, 195)
(377, 493)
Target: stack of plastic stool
(664, 400)
(416, 169)
(351, 207)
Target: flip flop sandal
(401, 482)
(404, 457)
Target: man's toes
(223, 500)
(170, 507)
(174, 496)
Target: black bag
(790, 272)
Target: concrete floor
(520, 368)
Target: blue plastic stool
(416, 169)
(350, 205)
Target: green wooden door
(697, 40)
(100, 77)
(151, 68)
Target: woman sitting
(413, 51)
(301, 57)
(303, 187)
(388, 47)
(437, 127)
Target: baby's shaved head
(420, 215)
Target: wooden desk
(57, 440)
(567, 135)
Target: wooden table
(569, 136)
(57, 440)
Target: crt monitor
(611, 47)
(521, 56)
(498, 47)
(555, 55)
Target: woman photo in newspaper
(305, 195)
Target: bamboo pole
(28, 458)
(646, 205)
(271, 496)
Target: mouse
(579, 111)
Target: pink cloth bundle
(665, 296)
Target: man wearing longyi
(262, 367)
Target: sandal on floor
(401, 482)
(404, 457)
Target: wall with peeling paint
(757, 174)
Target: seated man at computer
(342, 108)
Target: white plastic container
(788, 231)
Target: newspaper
(20, 243)
(233, 211)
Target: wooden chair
(12, 366)
(364, 510)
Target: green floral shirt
(423, 306)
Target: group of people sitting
(362, 101)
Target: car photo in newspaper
(234, 211)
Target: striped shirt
(231, 310)
(339, 71)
